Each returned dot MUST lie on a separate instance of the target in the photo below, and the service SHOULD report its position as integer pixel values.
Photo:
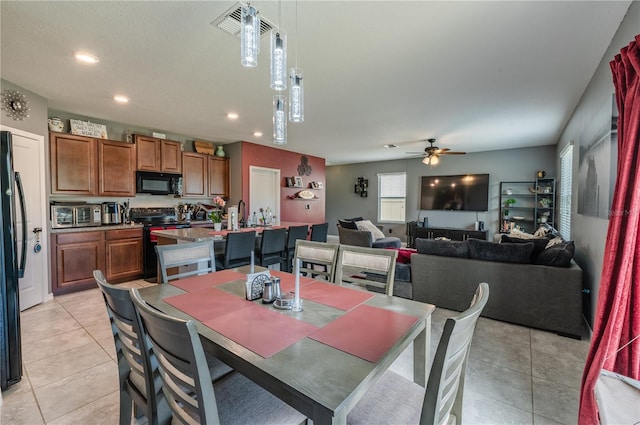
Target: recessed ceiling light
(121, 99)
(86, 57)
(232, 116)
(257, 133)
(390, 146)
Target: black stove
(153, 219)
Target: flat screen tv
(469, 192)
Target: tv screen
(469, 192)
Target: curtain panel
(617, 318)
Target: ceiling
(476, 76)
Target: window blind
(566, 173)
(392, 190)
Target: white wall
(503, 165)
(590, 232)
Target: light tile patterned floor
(515, 375)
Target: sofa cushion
(501, 252)
(348, 224)
(388, 242)
(539, 244)
(368, 226)
(443, 247)
(404, 255)
(558, 255)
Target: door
(29, 161)
(264, 184)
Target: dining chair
(319, 232)
(139, 382)
(271, 247)
(367, 267)
(187, 385)
(394, 399)
(317, 258)
(189, 259)
(237, 250)
(293, 234)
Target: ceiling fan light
(435, 160)
(426, 160)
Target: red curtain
(617, 318)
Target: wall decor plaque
(88, 128)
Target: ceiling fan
(432, 153)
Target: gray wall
(503, 165)
(590, 232)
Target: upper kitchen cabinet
(158, 154)
(74, 164)
(204, 175)
(116, 168)
(86, 166)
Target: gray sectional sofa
(538, 296)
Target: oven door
(61, 217)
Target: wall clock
(16, 104)
(541, 174)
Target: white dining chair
(366, 267)
(396, 400)
(189, 259)
(317, 258)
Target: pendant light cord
(297, 39)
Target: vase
(217, 227)
(220, 151)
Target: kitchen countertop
(97, 228)
(194, 234)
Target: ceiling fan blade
(441, 150)
(453, 153)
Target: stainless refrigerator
(11, 267)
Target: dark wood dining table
(321, 360)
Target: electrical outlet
(390, 230)
(306, 207)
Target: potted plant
(216, 215)
(508, 203)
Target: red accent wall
(287, 162)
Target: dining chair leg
(125, 407)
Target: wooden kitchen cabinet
(123, 250)
(204, 175)
(74, 164)
(74, 258)
(116, 168)
(218, 176)
(158, 154)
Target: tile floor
(515, 375)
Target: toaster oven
(63, 216)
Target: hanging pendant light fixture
(249, 36)
(278, 59)
(296, 87)
(296, 96)
(279, 120)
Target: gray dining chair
(319, 232)
(317, 258)
(237, 250)
(139, 381)
(271, 247)
(366, 267)
(186, 382)
(188, 259)
(396, 400)
(294, 233)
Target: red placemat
(261, 330)
(366, 332)
(208, 303)
(334, 295)
(288, 280)
(196, 283)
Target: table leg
(421, 354)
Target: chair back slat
(317, 258)
(198, 255)
(367, 267)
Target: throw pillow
(368, 226)
(539, 244)
(515, 233)
(348, 224)
(443, 248)
(555, 241)
(404, 255)
(558, 255)
(501, 252)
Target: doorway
(29, 161)
(264, 190)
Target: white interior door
(29, 161)
(264, 190)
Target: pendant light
(249, 36)
(279, 120)
(278, 59)
(296, 87)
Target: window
(566, 169)
(392, 192)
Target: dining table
(320, 360)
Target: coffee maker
(111, 213)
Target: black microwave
(158, 183)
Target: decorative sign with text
(87, 128)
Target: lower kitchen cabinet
(74, 257)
